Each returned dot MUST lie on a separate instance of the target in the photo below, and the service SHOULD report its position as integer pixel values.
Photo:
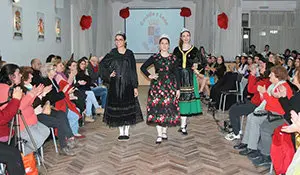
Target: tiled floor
(203, 151)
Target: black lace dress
(122, 107)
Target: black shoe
(240, 146)
(246, 152)
(201, 94)
(254, 155)
(183, 132)
(72, 143)
(263, 160)
(121, 138)
(67, 152)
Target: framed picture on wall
(58, 29)
(17, 22)
(41, 25)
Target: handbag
(47, 108)
(30, 164)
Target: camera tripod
(15, 123)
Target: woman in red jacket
(269, 106)
(237, 110)
(10, 155)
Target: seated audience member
(281, 61)
(291, 66)
(237, 110)
(220, 67)
(11, 157)
(242, 67)
(267, 127)
(252, 50)
(287, 54)
(237, 62)
(59, 97)
(85, 83)
(294, 54)
(77, 97)
(205, 75)
(9, 108)
(8, 154)
(266, 51)
(93, 71)
(250, 61)
(11, 76)
(50, 117)
(296, 64)
(85, 97)
(51, 58)
(294, 167)
(202, 55)
(218, 71)
(273, 59)
(269, 106)
(37, 77)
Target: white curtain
(208, 34)
(204, 24)
(276, 28)
(81, 40)
(104, 28)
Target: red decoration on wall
(223, 21)
(85, 22)
(124, 13)
(185, 12)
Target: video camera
(10, 93)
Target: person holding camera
(9, 155)
(10, 75)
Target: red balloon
(223, 21)
(185, 12)
(85, 22)
(124, 13)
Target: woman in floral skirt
(162, 103)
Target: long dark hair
(78, 63)
(67, 69)
(7, 71)
(267, 71)
(223, 61)
(180, 40)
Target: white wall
(118, 22)
(22, 51)
(268, 5)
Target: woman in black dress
(162, 103)
(122, 109)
